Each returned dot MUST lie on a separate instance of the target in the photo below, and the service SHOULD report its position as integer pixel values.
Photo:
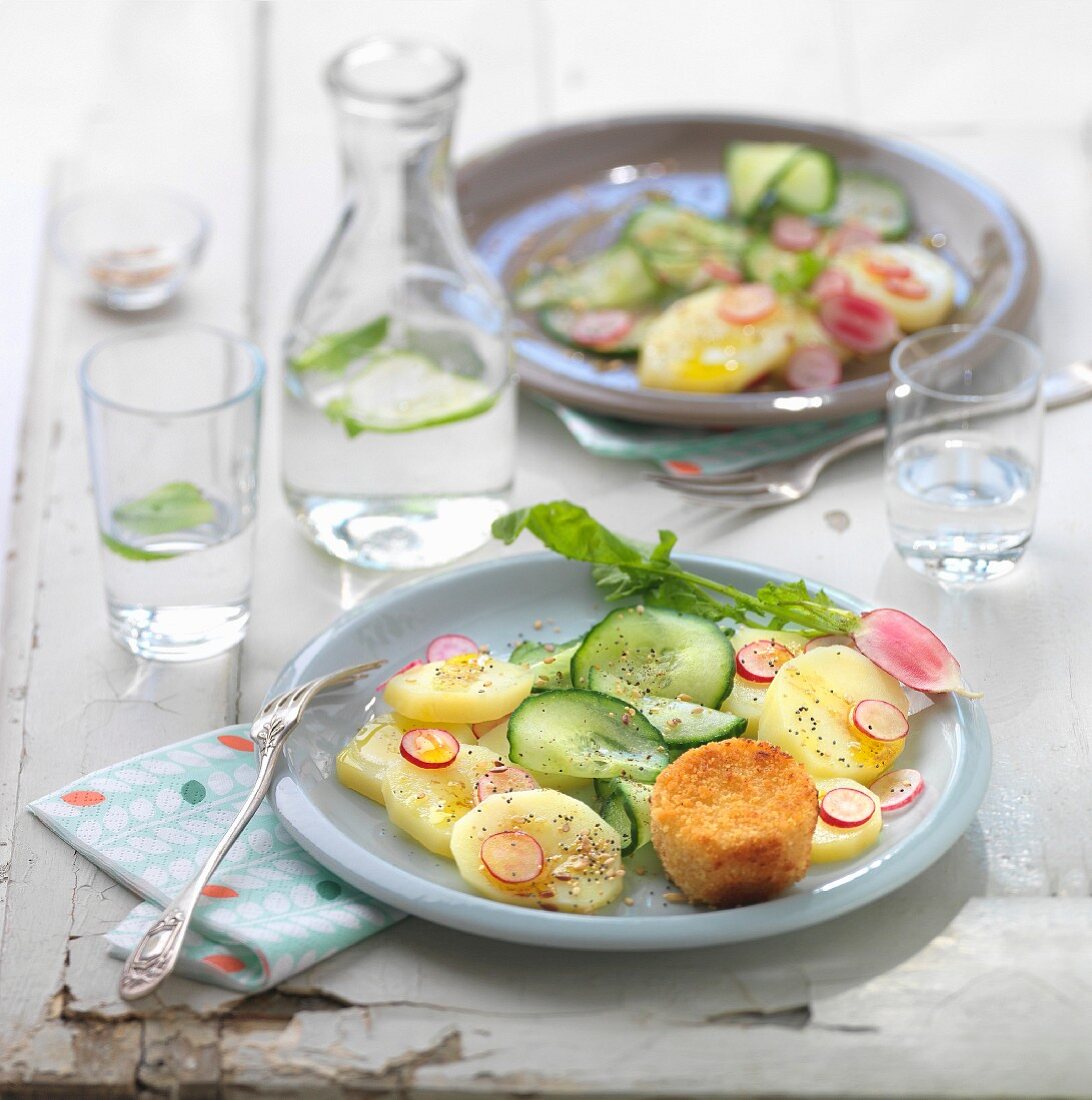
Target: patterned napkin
(695, 451)
(150, 822)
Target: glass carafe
(399, 421)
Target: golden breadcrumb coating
(732, 822)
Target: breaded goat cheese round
(732, 821)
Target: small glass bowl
(130, 249)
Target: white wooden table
(976, 979)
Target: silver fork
(154, 957)
(777, 483)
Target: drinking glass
(964, 433)
(172, 417)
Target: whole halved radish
(880, 720)
(794, 234)
(429, 748)
(759, 661)
(849, 236)
(813, 367)
(404, 668)
(601, 326)
(480, 729)
(512, 856)
(830, 282)
(906, 287)
(861, 324)
(503, 780)
(830, 639)
(845, 808)
(720, 271)
(747, 303)
(909, 651)
(898, 789)
(447, 646)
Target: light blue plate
(497, 603)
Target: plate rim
(948, 821)
(1014, 309)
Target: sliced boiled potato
(690, 346)
(582, 863)
(807, 713)
(427, 802)
(469, 688)
(361, 764)
(933, 279)
(461, 731)
(831, 843)
(747, 697)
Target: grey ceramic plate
(528, 195)
(497, 603)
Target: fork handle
(867, 438)
(155, 956)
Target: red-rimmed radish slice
(429, 748)
(503, 780)
(846, 808)
(830, 282)
(898, 789)
(909, 651)
(813, 367)
(720, 271)
(480, 729)
(887, 267)
(601, 326)
(512, 856)
(404, 668)
(759, 661)
(794, 234)
(860, 324)
(906, 287)
(880, 720)
(851, 235)
(447, 646)
(747, 303)
(830, 639)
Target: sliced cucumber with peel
(585, 734)
(626, 805)
(764, 262)
(872, 200)
(617, 278)
(809, 184)
(570, 327)
(796, 177)
(679, 244)
(659, 652)
(550, 667)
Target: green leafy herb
(808, 266)
(332, 354)
(176, 506)
(134, 553)
(624, 568)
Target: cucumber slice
(875, 201)
(627, 806)
(753, 169)
(585, 734)
(764, 262)
(659, 652)
(550, 668)
(568, 327)
(617, 278)
(678, 244)
(809, 183)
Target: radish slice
(846, 808)
(747, 303)
(721, 271)
(830, 282)
(861, 324)
(887, 267)
(906, 287)
(502, 780)
(813, 367)
(880, 720)
(480, 729)
(447, 646)
(759, 661)
(910, 652)
(898, 788)
(512, 856)
(404, 668)
(428, 748)
(851, 235)
(830, 639)
(794, 234)
(602, 326)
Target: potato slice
(865, 267)
(582, 867)
(361, 764)
(746, 698)
(807, 708)
(469, 688)
(831, 843)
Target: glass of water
(964, 432)
(172, 431)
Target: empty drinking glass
(964, 432)
(172, 430)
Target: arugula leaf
(624, 568)
(333, 354)
(175, 506)
(808, 266)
